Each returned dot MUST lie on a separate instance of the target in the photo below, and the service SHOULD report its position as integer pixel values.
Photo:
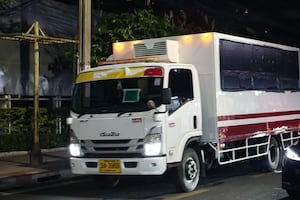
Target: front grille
(118, 148)
(111, 155)
(110, 141)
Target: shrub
(17, 128)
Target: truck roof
(126, 70)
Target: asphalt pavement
(16, 169)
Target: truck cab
(134, 119)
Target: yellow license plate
(110, 166)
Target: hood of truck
(111, 127)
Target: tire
(188, 172)
(104, 181)
(273, 159)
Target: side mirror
(166, 94)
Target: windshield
(116, 95)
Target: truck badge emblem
(104, 134)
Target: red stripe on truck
(257, 115)
(241, 132)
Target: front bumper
(129, 166)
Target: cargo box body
(247, 86)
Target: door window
(181, 84)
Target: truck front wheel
(188, 173)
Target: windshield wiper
(80, 115)
(122, 113)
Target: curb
(19, 153)
(35, 178)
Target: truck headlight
(74, 147)
(291, 154)
(152, 146)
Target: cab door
(184, 111)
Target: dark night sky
(276, 20)
(271, 20)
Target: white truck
(180, 103)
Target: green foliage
(141, 24)
(15, 142)
(17, 128)
(14, 120)
(4, 4)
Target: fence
(16, 109)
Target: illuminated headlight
(292, 154)
(75, 147)
(75, 150)
(153, 145)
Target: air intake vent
(165, 50)
(153, 49)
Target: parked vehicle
(182, 102)
(291, 171)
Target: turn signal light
(222, 146)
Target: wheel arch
(195, 143)
(192, 142)
(278, 138)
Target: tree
(6, 3)
(140, 24)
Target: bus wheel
(104, 181)
(273, 159)
(188, 173)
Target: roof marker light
(206, 36)
(118, 46)
(187, 38)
